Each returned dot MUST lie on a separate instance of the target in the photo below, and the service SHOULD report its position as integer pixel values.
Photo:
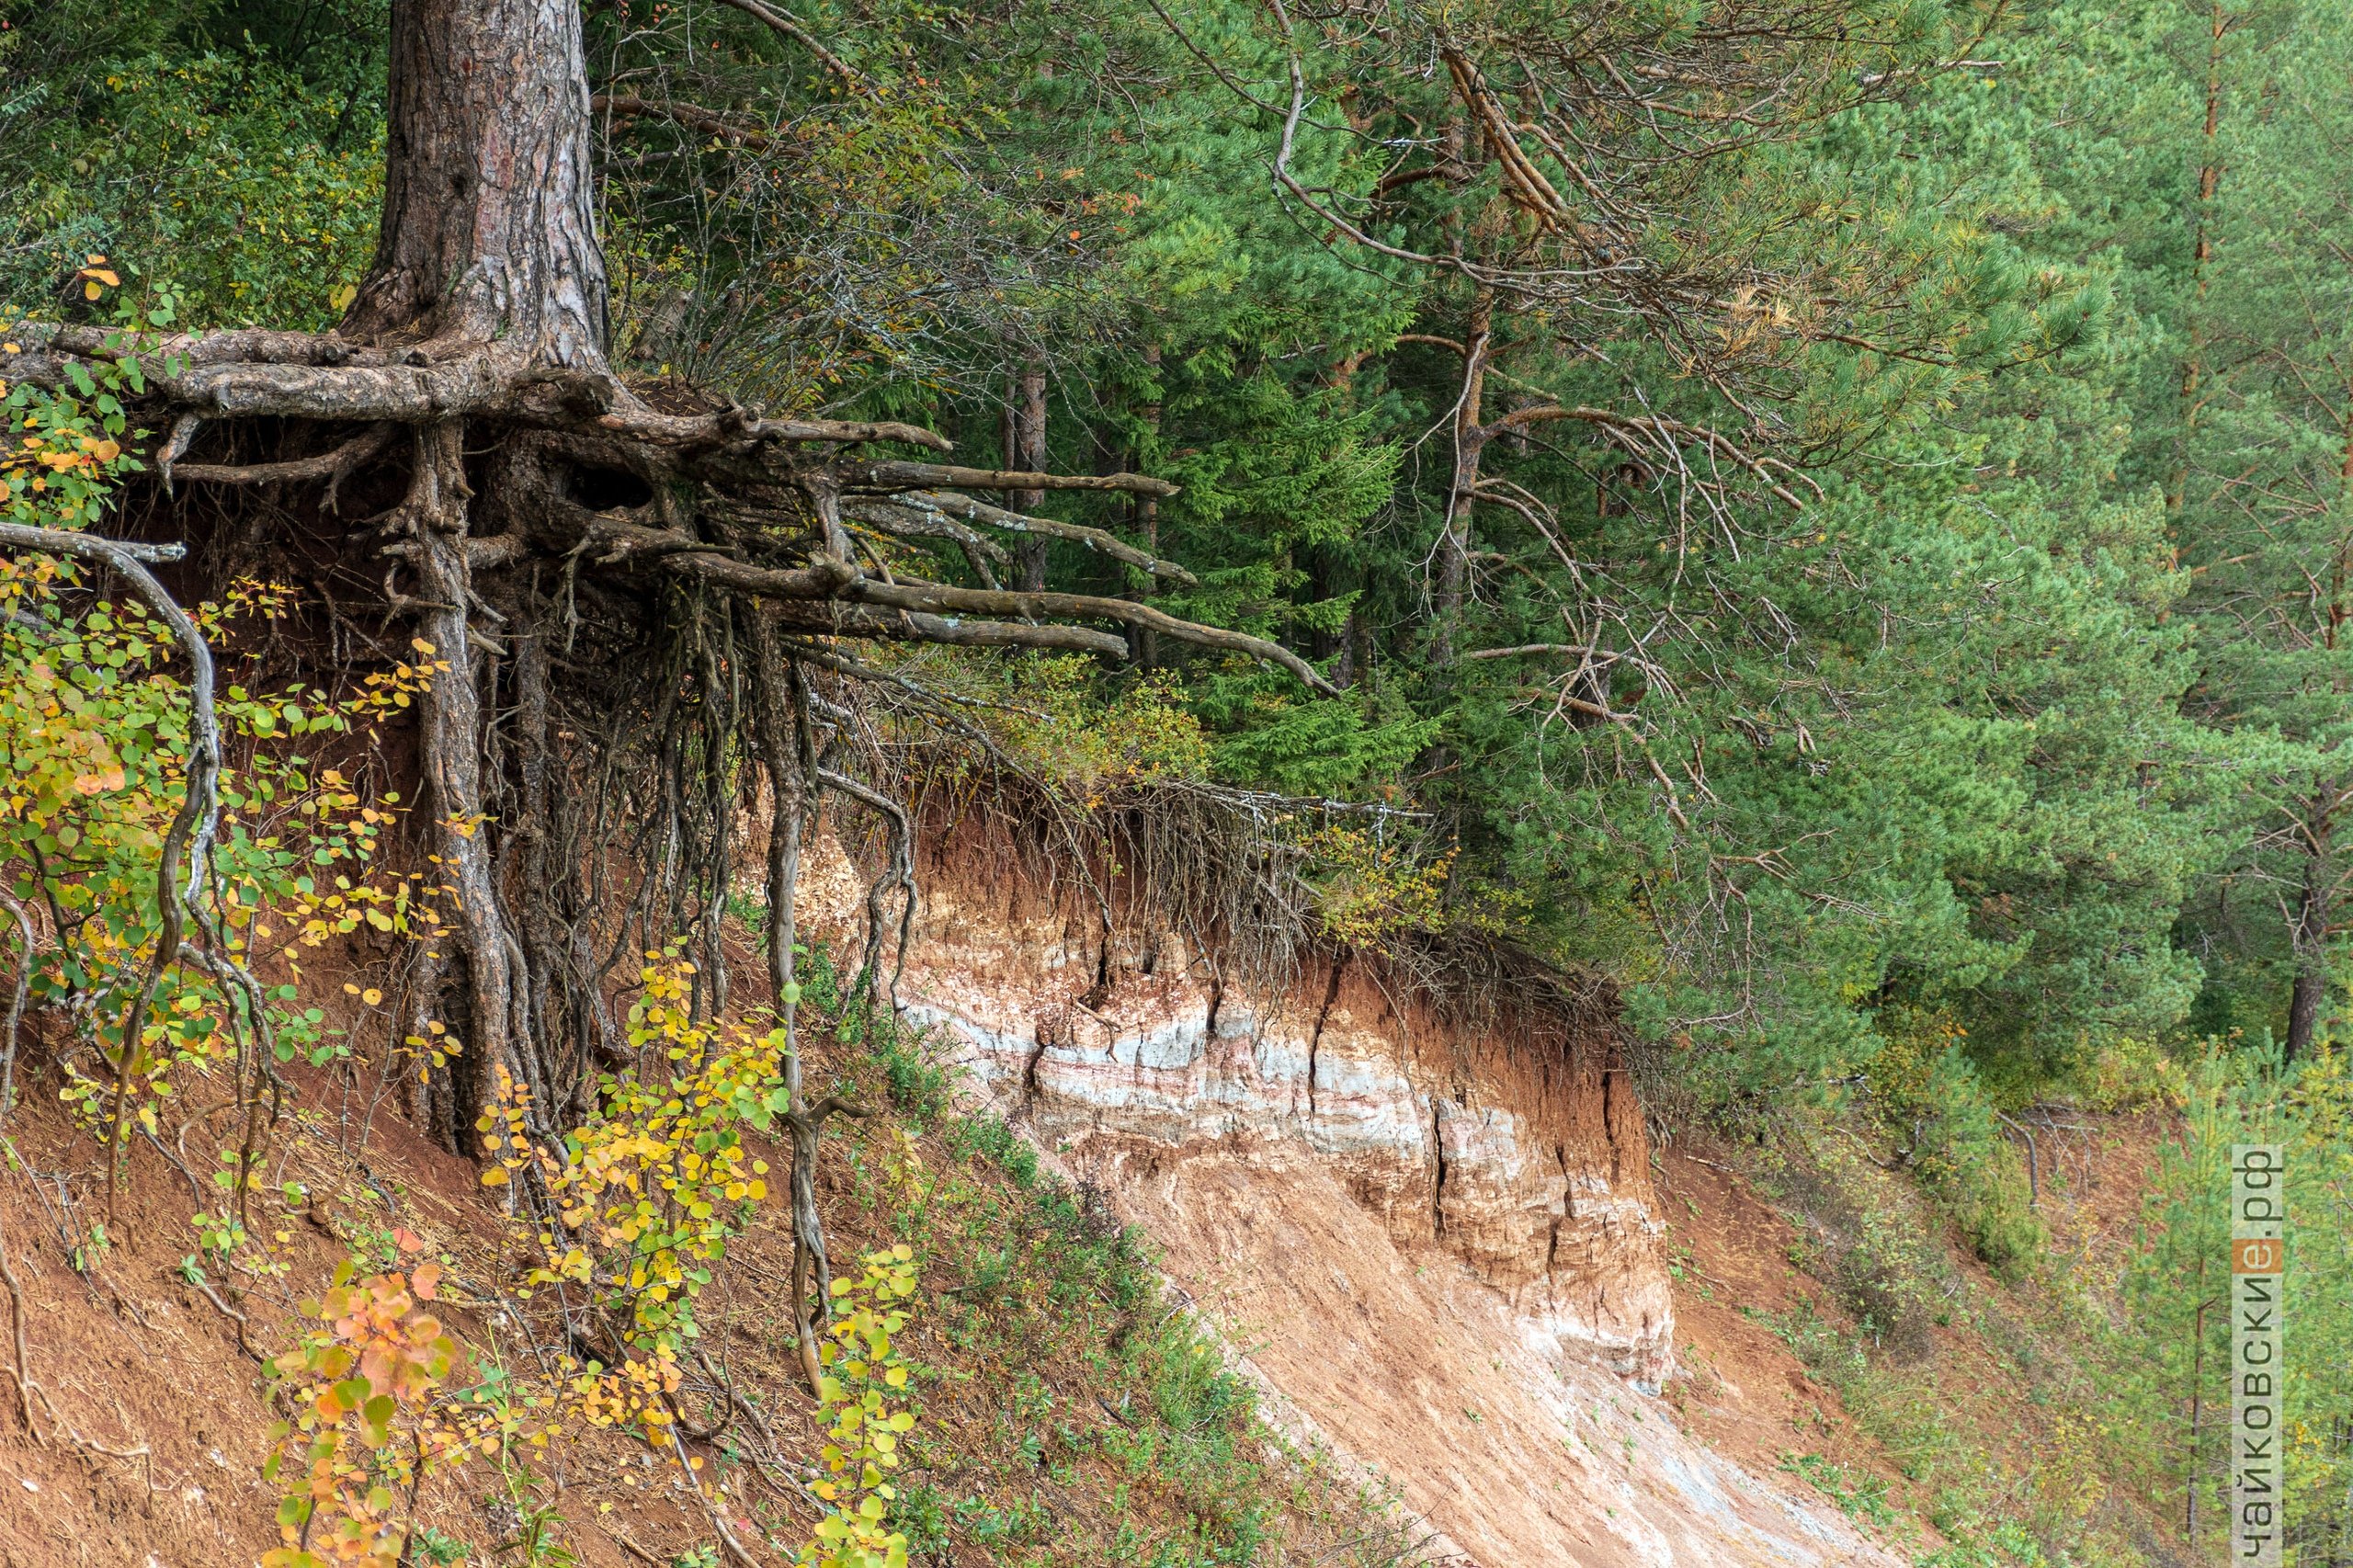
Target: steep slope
(1434, 1244)
(1439, 1250)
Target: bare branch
(981, 552)
(1659, 427)
(923, 476)
(1096, 540)
(938, 599)
(1594, 655)
(16, 1004)
(190, 836)
(836, 619)
(693, 117)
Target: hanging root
(779, 726)
(812, 1278)
(900, 874)
(434, 516)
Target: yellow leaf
(494, 1177)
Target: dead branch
(1096, 540)
(892, 476)
(693, 117)
(630, 417)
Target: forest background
(1911, 673)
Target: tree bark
(488, 243)
(1470, 441)
(1025, 450)
(450, 722)
(490, 220)
(1147, 506)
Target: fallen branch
(691, 116)
(197, 1278)
(735, 1549)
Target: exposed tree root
(20, 1370)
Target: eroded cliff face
(1523, 1154)
(1436, 1246)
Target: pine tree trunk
(490, 221)
(1469, 443)
(1147, 507)
(1024, 449)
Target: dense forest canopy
(1833, 507)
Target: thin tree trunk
(2310, 942)
(1025, 450)
(2209, 180)
(1147, 510)
(1469, 443)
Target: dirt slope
(1448, 1257)
(1438, 1247)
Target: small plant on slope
(863, 1374)
(363, 1438)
